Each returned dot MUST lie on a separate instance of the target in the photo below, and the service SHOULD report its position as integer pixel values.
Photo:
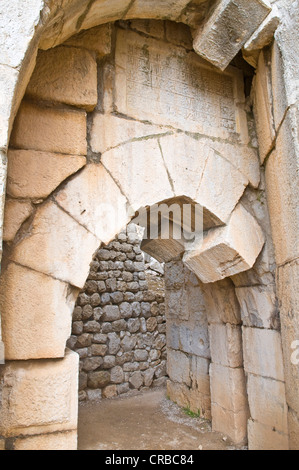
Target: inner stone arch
(141, 119)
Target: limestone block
(194, 339)
(226, 345)
(263, 107)
(267, 402)
(2, 444)
(263, 36)
(105, 11)
(227, 251)
(293, 427)
(39, 397)
(258, 306)
(221, 187)
(199, 373)
(153, 28)
(283, 189)
(217, 43)
(200, 404)
(179, 34)
(34, 174)
(57, 441)
(135, 166)
(243, 158)
(176, 302)
(263, 353)
(288, 278)
(262, 437)
(186, 160)
(65, 75)
(221, 302)
(233, 425)
(57, 245)
(98, 40)
(46, 305)
(154, 91)
(178, 393)
(285, 63)
(96, 202)
(50, 130)
(228, 388)
(163, 250)
(15, 214)
(178, 367)
(8, 83)
(110, 131)
(152, 9)
(17, 24)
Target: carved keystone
(228, 28)
(227, 251)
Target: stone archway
(36, 263)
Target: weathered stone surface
(258, 306)
(178, 367)
(219, 44)
(228, 388)
(153, 28)
(65, 75)
(64, 253)
(221, 186)
(267, 402)
(233, 425)
(58, 441)
(288, 278)
(8, 83)
(264, 34)
(226, 345)
(44, 326)
(199, 374)
(111, 313)
(110, 391)
(186, 159)
(222, 305)
(259, 348)
(16, 30)
(105, 11)
(227, 251)
(97, 39)
(189, 398)
(135, 175)
(15, 214)
(263, 107)
(34, 174)
(293, 427)
(117, 375)
(39, 396)
(157, 9)
(262, 437)
(110, 131)
(50, 130)
(98, 379)
(282, 189)
(134, 91)
(136, 380)
(95, 201)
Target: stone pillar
(228, 386)
(39, 409)
(280, 143)
(188, 351)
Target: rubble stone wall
(119, 328)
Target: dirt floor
(146, 421)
